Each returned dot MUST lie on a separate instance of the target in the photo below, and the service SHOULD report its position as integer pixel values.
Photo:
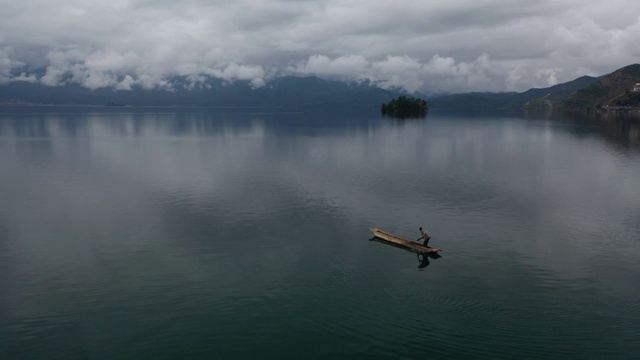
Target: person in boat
(424, 236)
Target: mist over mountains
(284, 91)
(292, 91)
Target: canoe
(398, 240)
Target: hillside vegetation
(611, 90)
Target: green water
(192, 234)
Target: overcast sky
(433, 46)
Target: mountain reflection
(620, 129)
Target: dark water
(153, 234)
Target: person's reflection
(424, 262)
(423, 259)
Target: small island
(404, 107)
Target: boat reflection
(423, 258)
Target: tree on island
(403, 107)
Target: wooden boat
(398, 240)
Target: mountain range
(280, 92)
(615, 89)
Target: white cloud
(5, 66)
(340, 67)
(417, 45)
(26, 78)
(126, 83)
(404, 72)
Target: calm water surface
(154, 234)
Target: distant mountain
(586, 92)
(509, 101)
(280, 92)
(615, 89)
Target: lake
(158, 233)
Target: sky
(428, 46)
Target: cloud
(342, 67)
(493, 45)
(404, 72)
(235, 71)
